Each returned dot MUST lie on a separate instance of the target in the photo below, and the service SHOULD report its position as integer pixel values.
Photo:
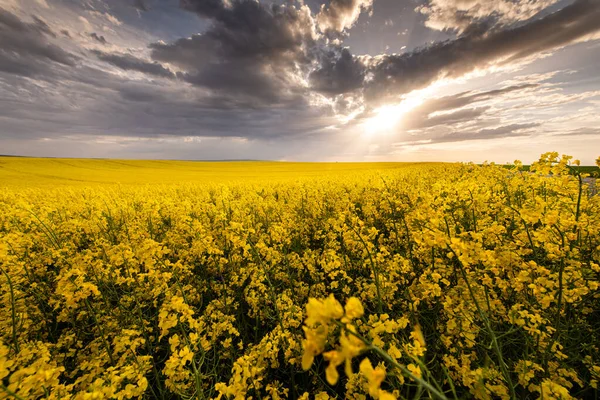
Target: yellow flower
(354, 308)
(553, 391)
(335, 358)
(375, 376)
(415, 370)
(383, 395)
(323, 311)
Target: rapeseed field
(25, 172)
(306, 281)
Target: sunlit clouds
(335, 80)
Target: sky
(300, 80)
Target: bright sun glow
(388, 117)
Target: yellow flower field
(275, 280)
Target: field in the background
(49, 172)
(303, 281)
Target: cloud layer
(25, 48)
(280, 71)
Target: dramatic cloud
(252, 50)
(275, 47)
(338, 72)
(130, 63)
(140, 5)
(452, 109)
(479, 48)
(43, 26)
(25, 48)
(305, 79)
(341, 14)
(98, 38)
(462, 14)
(586, 131)
(466, 115)
(504, 131)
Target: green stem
(375, 272)
(274, 300)
(102, 334)
(488, 327)
(10, 392)
(431, 389)
(13, 311)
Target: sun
(387, 118)
(384, 120)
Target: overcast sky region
(302, 80)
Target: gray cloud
(275, 46)
(91, 102)
(461, 14)
(339, 15)
(479, 48)
(466, 98)
(25, 48)
(98, 38)
(469, 115)
(462, 108)
(140, 5)
(43, 26)
(456, 108)
(338, 73)
(499, 132)
(586, 131)
(277, 74)
(250, 50)
(447, 119)
(129, 62)
(206, 8)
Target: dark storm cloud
(25, 48)
(272, 46)
(205, 8)
(337, 73)
(260, 51)
(98, 38)
(91, 102)
(480, 48)
(250, 49)
(140, 5)
(131, 63)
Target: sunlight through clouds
(298, 80)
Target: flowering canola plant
(430, 281)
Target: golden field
(289, 280)
(24, 172)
